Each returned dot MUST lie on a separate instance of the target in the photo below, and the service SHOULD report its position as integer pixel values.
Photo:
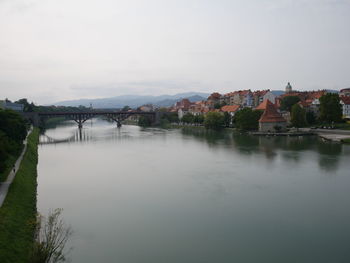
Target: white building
(4, 104)
(345, 103)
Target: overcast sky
(52, 50)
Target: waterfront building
(344, 92)
(271, 120)
(199, 108)
(345, 103)
(262, 105)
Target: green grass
(346, 140)
(18, 213)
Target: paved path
(4, 187)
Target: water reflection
(289, 148)
(153, 195)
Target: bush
(248, 119)
(187, 118)
(144, 121)
(298, 117)
(214, 121)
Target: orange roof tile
(271, 114)
(230, 108)
(262, 105)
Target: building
(230, 109)
(345, 103)
(199, 108)
(5, 104)
(213, 99)
(243, 98)
(309, 100)
(289, 88)
(263, 105)
(183, 104)
(181, 112)
(260, 95)
(182, 107)
(344, 92)
(271, 120)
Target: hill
(135, 100)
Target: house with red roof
(271, 120)
(199, 108)
(213, 99)
(344, 92)
(262, 105)
(231, 109)
(345, 103)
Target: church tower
(288, 88)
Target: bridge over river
(80, 117)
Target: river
(136, 195)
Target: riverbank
(18, 213)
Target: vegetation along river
(136, 195)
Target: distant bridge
(80, 117)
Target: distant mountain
(135, 101)
(170, 102)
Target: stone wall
(270, 126)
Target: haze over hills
(134, 101)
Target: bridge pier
(80, 119)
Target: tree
(13, 131)
(248, 119)
(13, 125)
(51, 237)
(173, 117)
(298, 116)
(214, 120)
(227, 119)
(126, 108)
(27, 107)
(310, 117)
(187, 118)
(198, 119)
(330, 108)
(144, 121)
(218, 105)
(288, 101)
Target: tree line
(13, 130)
(330, 111)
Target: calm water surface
(137, 195)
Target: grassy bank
(346, 140)
(18, 213)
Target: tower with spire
(288, 88)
